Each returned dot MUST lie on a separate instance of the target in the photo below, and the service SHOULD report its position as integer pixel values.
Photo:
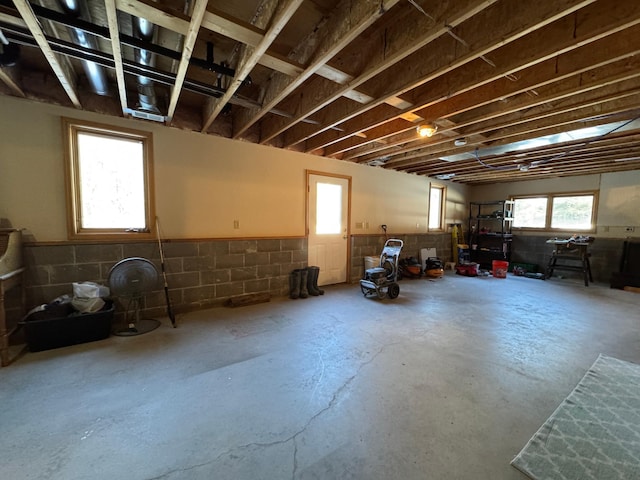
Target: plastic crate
(53, 329)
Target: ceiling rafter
(584, 94)
(249, 57)
(549, 125)
(9, 78)
(580, 60)
(491, 73)
(544, 43)
(443, 57)
(406, 44)
(112, 20)
(246, 33)
(187, 50)
(58, 66)
(348, 21)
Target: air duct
(95, 73)
(145, 30)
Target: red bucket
(500, 269)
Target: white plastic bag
(89, 290)
(87, 305)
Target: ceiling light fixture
(460, 142)
(427, 130)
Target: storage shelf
(490, 231)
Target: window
(436, 207)
(109, 181)
(328, 209)
(567, 211)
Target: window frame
(549, 213)
(443, 196)
(71, 128)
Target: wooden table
(573, 256)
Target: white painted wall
(202, 183)
(618, 199)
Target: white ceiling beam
(187, 50)
(112, 19)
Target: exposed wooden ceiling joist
(351, 79)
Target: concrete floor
(448, 381)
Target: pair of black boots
(304, 282)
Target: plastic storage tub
(54, 328)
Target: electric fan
(130, 279)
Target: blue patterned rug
(594, 433)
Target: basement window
(566, 212)
(109, 181)
(436, 207)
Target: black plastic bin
(58, 327)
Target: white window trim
(70, 129)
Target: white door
(328, 227)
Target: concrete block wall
(199, 273)
(606, 254)
(372, 245)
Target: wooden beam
(64, 76)
(591, 113)
(187, 50)
(8, 77)
(442, 102)
(400, 40)
(221, 23)
(112, 19)
(510, 21)
(348, 21)
(250, 56)
(601, 82)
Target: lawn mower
(382, 280)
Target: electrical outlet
(358, 225)
(631, 229)
(236, 224)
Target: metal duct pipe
(95, 73)
(145, 30)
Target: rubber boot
(304, 293)
(316, 273)
(313, 281)
(294, 284)
(311, 288)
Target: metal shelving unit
(490, 236)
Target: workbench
(572, 256)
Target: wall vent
(147, 116)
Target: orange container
(500, 269)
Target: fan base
(142, 326)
